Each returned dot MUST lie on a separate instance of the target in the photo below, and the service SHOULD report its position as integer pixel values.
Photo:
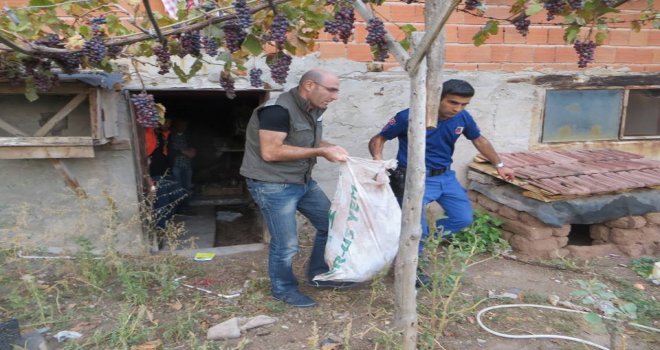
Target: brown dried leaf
(176, 305)
(84, 326)
(150, 345)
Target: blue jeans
(183, 176)
(278, 203)
(448, 192)
(169, 196)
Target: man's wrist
(499, 165)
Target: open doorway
(220, 211)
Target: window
(590, 115)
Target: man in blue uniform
(441, 184)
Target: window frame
(624, 115)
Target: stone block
(634, 250)
(508, 212)
(592, 251)
(488, 203)
(650, 233)
(530, 220)
(598, 242)
(625, 236)
(529, 232)
(561, 241)
(652, 218)
(562, 231)
(599, 232)
(472, 195)
(535, 247)
(627, 222)
(559, 253)
(506, 235)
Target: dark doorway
(216, 129)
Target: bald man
(283, 139)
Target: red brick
(358, 52)
(656, 56)
(544, 54)
(633, 5)
(501, 53)
(634, 55)
(451, 33)
(522, 54)
(457, 18)
(406, 13)
(397, 33)
(466, 33)
(479, 54)
(517, 67)
(511, 36)
(556, 36)
(456, 52)
(360, 33)
(653, 67)
(331, 49)
(565, 54)
(654, 38)
(618, 37)
(537, 35)
(461, 66)
(488, 66)
(640, 38)
(605, 54)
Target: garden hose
(548, 336)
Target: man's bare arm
(486, 148)
(273, 149)
(376, 145)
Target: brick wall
(507, 51)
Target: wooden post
(411, 230)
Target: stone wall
(632, 235)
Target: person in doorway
(441, 184)
(182, 155)
(166, 194)
(283, 139)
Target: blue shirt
(439, 141)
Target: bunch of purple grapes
(227, 83)
(522, 22)
(576, 4)
(68, 62)
(94, 48)
(243, 13)
(163, 58)
(376, 38)
(553, 7)
(279, 67)
(190, 44)
(145, 109)
(472, 4)
(210, 45)
(278, 30)
(585, 51)
(39, 71)
(342, 27)
(234, 36)
(255, 77)
(114, 51)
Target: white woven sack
(365, 222)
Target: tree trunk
(435, 58)
(411, 231)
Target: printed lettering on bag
(349, 234)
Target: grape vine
(342, 26)
(376, 38)
(145, 110)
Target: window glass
(643, 113)
(582, 115)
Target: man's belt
(436, 172)
(429, 172)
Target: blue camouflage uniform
(443, 188)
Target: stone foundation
(632, 235)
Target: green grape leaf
(40, 2)
(491, 28)
(592, 318)
(533, 9)
(253, 45)
(30, 90)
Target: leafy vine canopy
(44, 38)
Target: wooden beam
(60, 141)
(42, 152)
(64, 89)
(11, 129)
(61, 114)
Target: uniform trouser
(278, 203)
(183, 175)
(452, 197)
(169, 196)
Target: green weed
(643, 266)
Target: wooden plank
(108, 101)
(11, 129)
(95, 117)
(63, 89)
(75, 102)
(45, 141)
(46, 152)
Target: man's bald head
(317, 75)
(319, 87)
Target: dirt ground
(358, 319)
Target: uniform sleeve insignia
(458, 130)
